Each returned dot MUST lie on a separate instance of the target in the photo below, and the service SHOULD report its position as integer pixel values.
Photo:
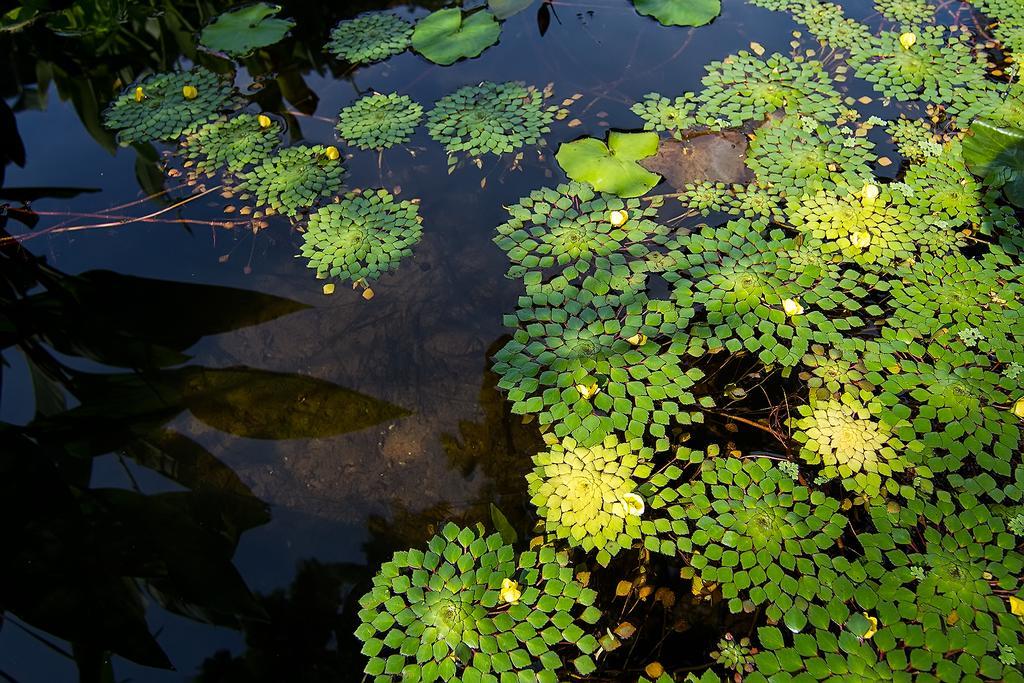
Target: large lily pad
(997, 155)
(611, 167)
(446, 36)
(680, 12)
(243, 30)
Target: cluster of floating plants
(470, 607)
(490, 118)
(167, 106)
(866, 318)
(362, 236)
(379, 121)
(891, 304)
(231, 144)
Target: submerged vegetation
(791, 397)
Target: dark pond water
(426, 437)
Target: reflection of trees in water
(79, 561)
(91, 62)
(500, 445)
(307, 635)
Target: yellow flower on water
(792, 307)
(634, 504)
(1018, 408)
(638, 339)
(588, 392)
(509, 592)
(907, 39)
(264, 121)
(139, 94)
(617, 218)
(332, 153)
(861, 239)
(329, 288)
(873, 629)
(869, 193)
(189, 92)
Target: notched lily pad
(446, 36)
(680, 12)
(239, 32)
(612, 167)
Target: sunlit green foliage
(490, 118)
(881, 230)
(935, 559)
(828, 23)
(471, 607)
(587, 495)
(379, 121)
(158, 108)
(939, 62)
(370, 37)
(1000, 103)
(660, 113)
(821, 654)
(230, 144)
(860, 442)
(614, 166)
(362, 236)
(293, 180)
(747, 526)
(961, 409)
(838, 369)
(1009, 29)
(914, 138)
(589, 364)
(944, 190)
(744, 87)
(938, 297)
(906, 12)
(797, 157)
(705, 197)
(574, 225)
(743, 282)
(752, 201)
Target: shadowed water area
(206, 457)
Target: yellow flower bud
(907, 40)
(1018, 408)
(332, 153)
(139, 95)
(792, 307)
(869, 193)
(588, 392)
(873, 629)
(264, 121)
(617, 218)
(638, 339)
(861, 239)
(634, 504)
(509, 592)
(189, 92)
